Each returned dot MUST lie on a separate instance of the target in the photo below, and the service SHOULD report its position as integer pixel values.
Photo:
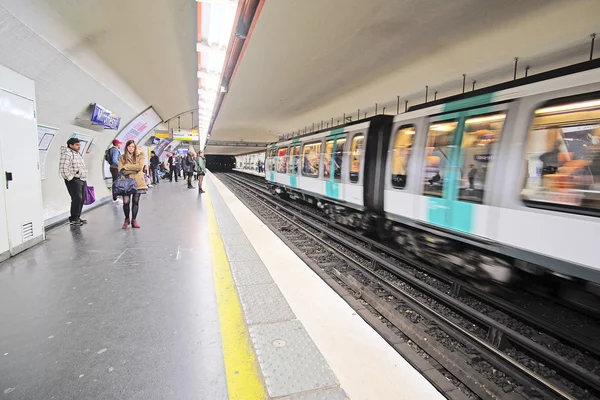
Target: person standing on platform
(201, 169)
(179, 165)
(189, 165)
(73, 171)
(132, 165)
(172, 168)
(113, 154)
(154, 163)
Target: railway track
(487, 346)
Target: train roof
(542, 76)
(339, 128)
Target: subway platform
(202, 302)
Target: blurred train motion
(501, 184)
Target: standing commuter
(189, 165)
(154, 163)
(201, 169)
(178, 165)
(113, 154)
(73, 171)
(132, 165)
(172, 168)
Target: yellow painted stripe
(241, 368)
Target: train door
(294, 162)
(460, 148)
(332, 166)
(270, 164)
(281, 175)
(355, 150)
(4, 243)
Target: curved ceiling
(143, 51)
(312, 60)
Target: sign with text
(185, 135)
(104, 117)
(162, 134)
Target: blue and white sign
(155, 141)
(105, 117)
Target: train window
(338, 157)
(327, 158)
(282, 160)
(294, 160)
(437, 156)
(562, 159)
(479, 143)
(272, 155)
(401, 153)
(311, 155)
(355, 157)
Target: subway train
(500, 185)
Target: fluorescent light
(443, 127)
(209, 48)
(569, 107)
(489, 118)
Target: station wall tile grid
(291, 364)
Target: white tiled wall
(63, 90)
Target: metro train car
(249, 161)
(501, 184)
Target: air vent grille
(27, 231)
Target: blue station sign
(105, 117)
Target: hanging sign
(162, 134)
(104, 117)
(185, 135)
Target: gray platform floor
(100, 313)
(289, 360)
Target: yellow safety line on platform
(241, 368)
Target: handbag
(124, 186)
(90, 195)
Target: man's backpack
(107, 155)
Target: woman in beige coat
(131, 163)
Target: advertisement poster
(46, 136)
(138, 127)
(162, 146)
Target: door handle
(9, 177)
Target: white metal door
(4, 245)
(20, 168)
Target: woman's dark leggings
(135, 207)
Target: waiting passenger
(113, 154)
(201, 169)
(189, 165)
(131, 163)
(73, 171)
(154, 163)
(172, 168)
(147, 176)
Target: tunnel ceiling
(310, 60)
(143, 51)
